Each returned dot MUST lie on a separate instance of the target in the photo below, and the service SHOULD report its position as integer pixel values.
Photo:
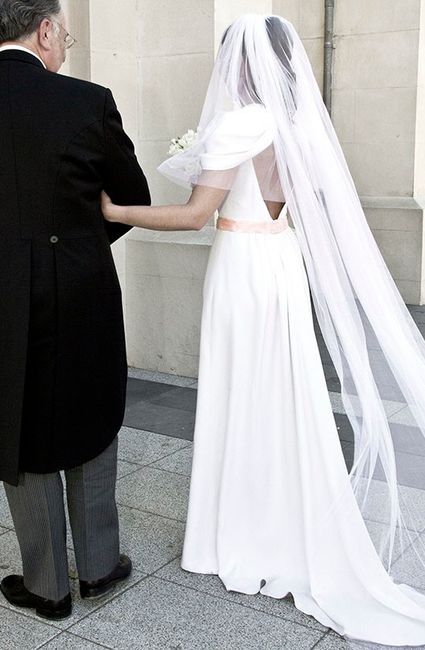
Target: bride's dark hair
(282, 44)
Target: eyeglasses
(68, 40)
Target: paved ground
(162, 606)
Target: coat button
(54, 239)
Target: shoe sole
(106, 590)
(52, 617)
(56, 617)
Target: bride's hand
(109, 209)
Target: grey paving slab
(178, 398)
(67, 641)
(404, 416)
(10, 557)
(156, 491)
(159, 615)
(336, 401)
(18, 633)
(390, 393)
(334, 642)
(391, 407)
(324, 353)
(345, 431)
(376, 507)
(160, 419)
(5, 516)
(408, 439)
(348, 452)
(11, 563)
(150, 540)
(409, 568)
(142, 389)
(377, 530)
(417, 312)
(328, 366)
(212, 585)
(144, 447)
(124, 468)
(69, 540)
(331, 377)
(161, 377)
(410, 461)
(410, 470)
(72, 564)
(180, 462)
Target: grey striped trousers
(38, 512)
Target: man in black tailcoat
(63, 367)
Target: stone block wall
(157, 55)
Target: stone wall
(377, 119)
(165, 271)
(157, 55)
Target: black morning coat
(63, 368)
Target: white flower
(183, 142)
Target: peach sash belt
(269, 227)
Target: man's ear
(45, 33)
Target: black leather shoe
(96, 588)
(14, 590)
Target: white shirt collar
(22, 49)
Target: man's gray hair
(20, 18)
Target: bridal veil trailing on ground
(365, 528)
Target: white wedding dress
(267, 458)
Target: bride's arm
(193, 215)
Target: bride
(272, 508)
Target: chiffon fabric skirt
(267, 461)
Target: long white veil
(376, 348)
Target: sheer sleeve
(240, 135)
(228, 141)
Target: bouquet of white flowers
(183, 142)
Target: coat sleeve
(124, 179)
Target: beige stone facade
(156, 56)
